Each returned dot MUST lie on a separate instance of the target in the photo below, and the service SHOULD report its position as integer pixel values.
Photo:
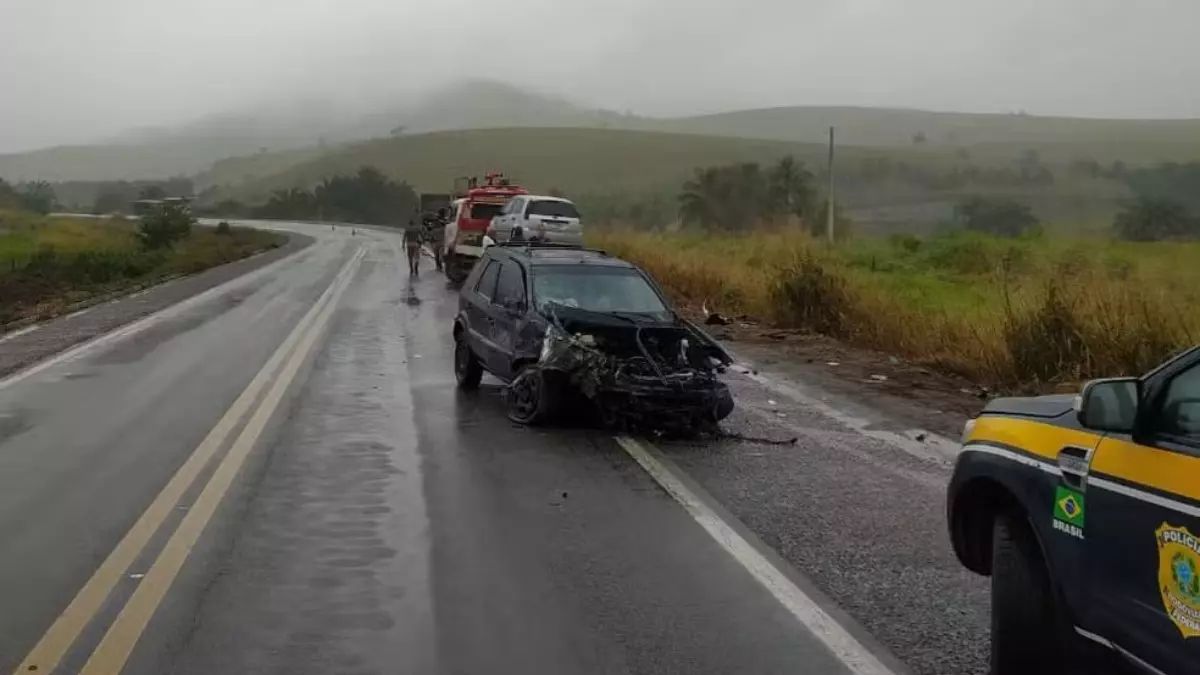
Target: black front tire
(1027, 620)
(530, 398)
(467, 369)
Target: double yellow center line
(114, 649)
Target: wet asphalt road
(385, 523)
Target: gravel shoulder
(22, 348)
(857, 506)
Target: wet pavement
(387, 523)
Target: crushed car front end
(657, 376)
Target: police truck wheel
(467, 371)
(1027, 634)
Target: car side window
(510, 289)
(487, 281)
(1179, 414)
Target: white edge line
(143, 323)
(824, 627)
(933, 443)
(21, 331)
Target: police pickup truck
(1085, 510)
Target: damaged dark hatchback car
(565, 326)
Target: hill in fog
(268, 140)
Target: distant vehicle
(473, 209)
(560, 322)
(1085, 511)
(143, 206)
(539, 218)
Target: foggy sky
(79, 70)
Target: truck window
(484, 211)
(487, 281)
(1180, 412)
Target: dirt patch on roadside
(916, 394)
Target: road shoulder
(25, 347)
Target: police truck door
(1142, 518)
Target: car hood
(1054, 405)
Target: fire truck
(471, 211)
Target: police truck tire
(1027, 632)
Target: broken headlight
(552, 336)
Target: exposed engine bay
(641, 374)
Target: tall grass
(48, 264)
(1022, 315)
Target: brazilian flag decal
(1068, 506)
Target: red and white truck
(471, 211)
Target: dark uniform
(1086, 514)
(412, 246)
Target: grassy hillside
(193, 148)
(573, 160)
(150, 160)
(982, 135)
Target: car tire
(1027, 635)
(467, 369)
(530, 397)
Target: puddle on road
(12, 424)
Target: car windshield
(597, 289)
(553, 208)
(484, 211)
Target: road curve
(283, 479)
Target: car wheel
(1027, 635)
(467, 370)
(529, 397)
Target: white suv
(551, 219)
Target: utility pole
(829, 193)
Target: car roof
(547, 198)
(539, 257)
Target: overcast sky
(74, 70)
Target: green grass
(1022, 315)
(48, 265)
(578, 161)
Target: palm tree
(791, 188)
(698, 203)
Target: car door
(1142, 523)
(479, 315)
(508, 311)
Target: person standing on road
(412, 246)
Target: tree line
(35, 196)
(368, 197)
(742, 195)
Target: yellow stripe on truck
(1163, 470)
(1036, 438)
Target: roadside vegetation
(49, 265)
(991, 296)
(1017, 314)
